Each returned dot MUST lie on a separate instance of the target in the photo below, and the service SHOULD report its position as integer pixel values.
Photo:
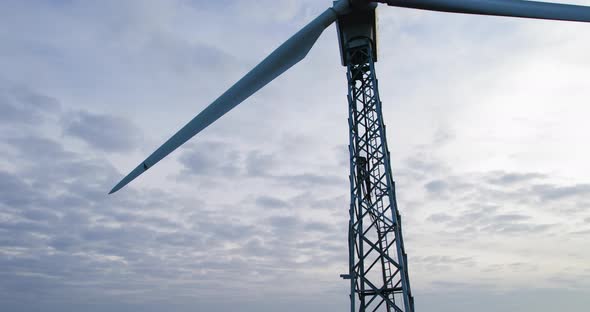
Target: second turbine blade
(511, 8)
(283, 58)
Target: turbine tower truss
(378, 269)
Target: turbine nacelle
(359, 22)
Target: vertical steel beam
(377, 259)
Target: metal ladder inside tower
(377, 212)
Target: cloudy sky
(487, 124)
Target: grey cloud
(128, 241)
(337, 202)
(229, 232)
(438, 263)
(338, 205)
(287, 227)
(475, 214)
(48, 166)
(211, 158)
(168, 53)
(219, 226)
(510, 218)
(422, 163)
(504, 178)
(439, 218)
(55, 211)
(522, 267)
(123, 234)
(258, 164)
(283, 223)
(309, 179)
(419, 167)
(40, 215)
(64, 243)
(104, 132)
(23, 226)
(483, 221)
(19, 104)
(39, 149)
(442, 136)
(497, 267)
(479, 207)
(319, 227)
(436, 186)
(438, 259)
(160, 223)
(575, 281)
(292, 238)
(256, 246)
(180, 239)
(555, 192)
(14, 191)
(583, 232)
(271, 202)
(336, 249)
(217, 158)
(515, 228)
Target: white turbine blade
(513, 8)
(283, 58)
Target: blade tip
(143, 167)
(117, 187)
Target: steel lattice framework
(377, 260)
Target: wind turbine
(378, 271)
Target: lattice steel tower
(378, 270)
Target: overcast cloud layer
(487, 124)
